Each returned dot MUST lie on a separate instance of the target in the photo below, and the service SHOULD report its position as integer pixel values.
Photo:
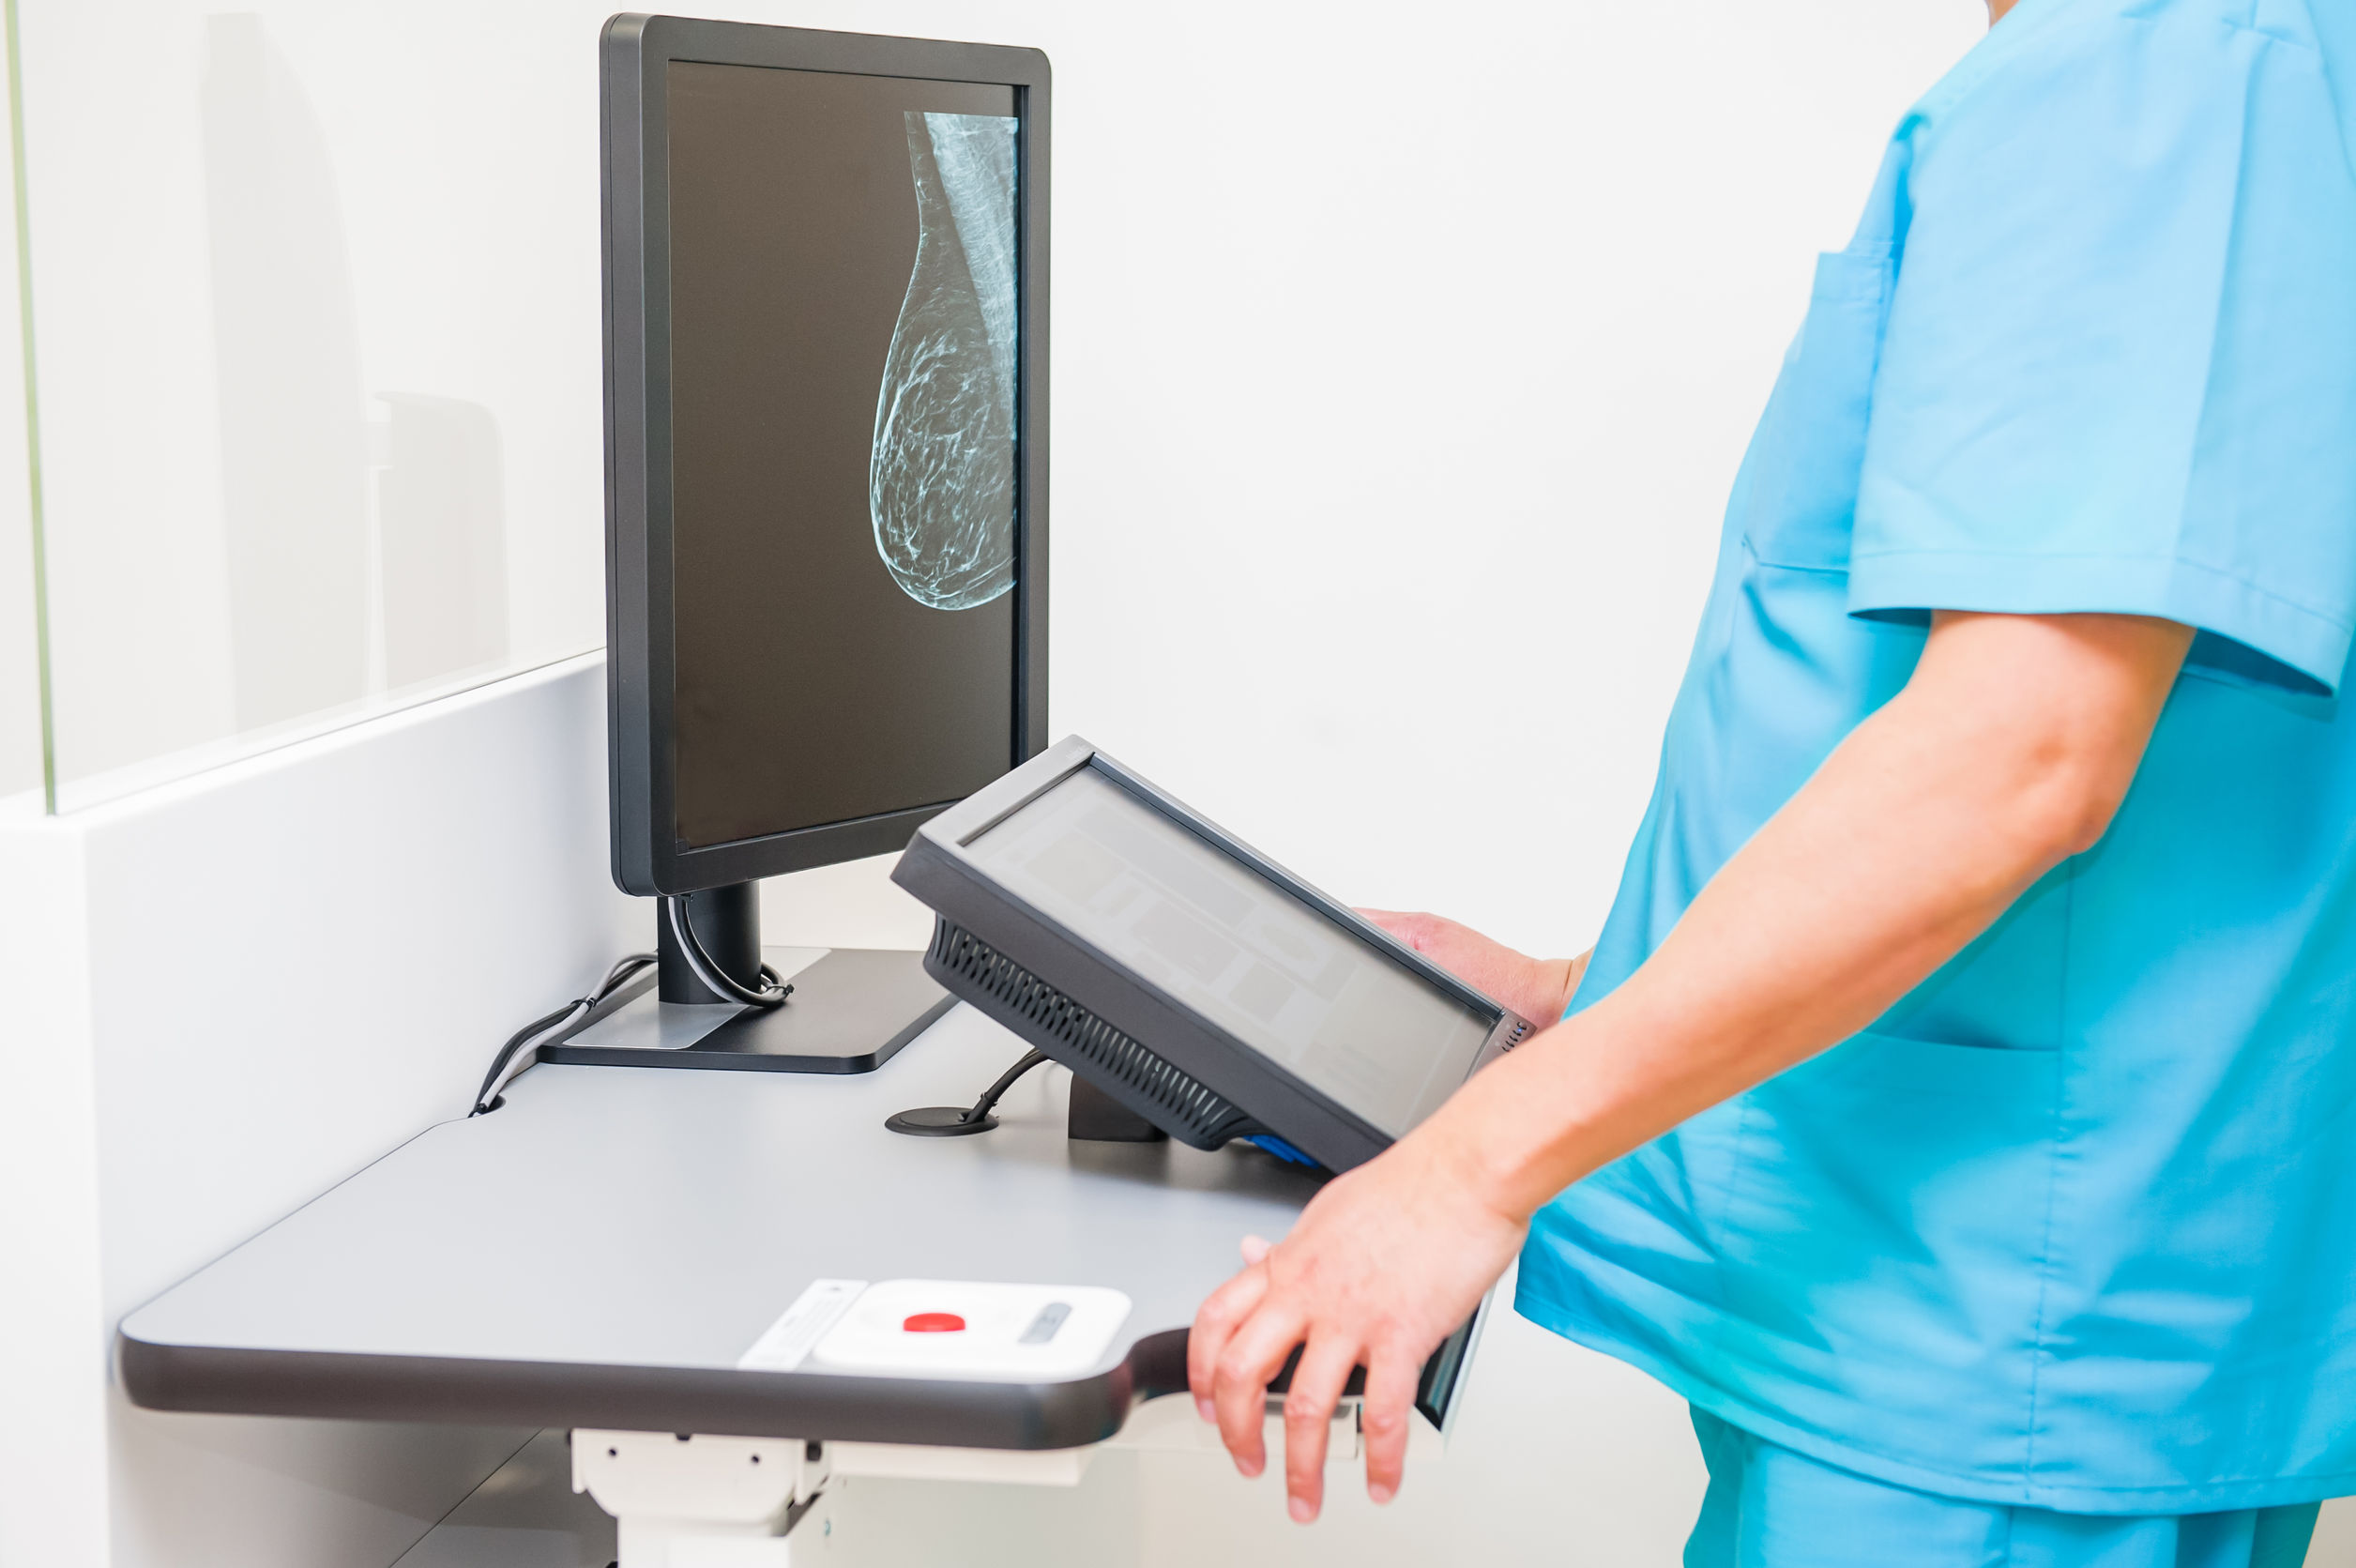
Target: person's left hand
(1385, 1263)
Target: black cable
(991, 1096)
(615, 978)
(717, 980)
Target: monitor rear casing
(649, 854)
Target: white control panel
(968, 1328)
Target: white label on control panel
(789, 1339)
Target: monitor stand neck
(727, 925)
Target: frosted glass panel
(317, 296)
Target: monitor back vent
(1118, 1064)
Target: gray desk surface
(601, 1250)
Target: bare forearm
(1913, 838)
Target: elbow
(2044, 720)
(2084, 826)
(2067, 801)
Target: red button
(933, 1323)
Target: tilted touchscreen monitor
(1204, 987)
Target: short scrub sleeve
(2118, 372)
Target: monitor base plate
(851, 1010)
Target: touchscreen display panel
(1338, 1014)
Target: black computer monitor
(826, 290)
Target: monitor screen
(1339, 1013)
(843, 367)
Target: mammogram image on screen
(842, 359)
(1370, 1034)
(941, 479)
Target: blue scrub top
(2074, 1226)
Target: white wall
(52, 1313)
(1414, 493)
(224, 996)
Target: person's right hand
(1537, 988)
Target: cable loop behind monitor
(715, 979)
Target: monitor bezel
(940, 869)
(637, 51)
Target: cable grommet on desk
(950, 1121)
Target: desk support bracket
(695, 1501)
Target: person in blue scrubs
(1959, 1105)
